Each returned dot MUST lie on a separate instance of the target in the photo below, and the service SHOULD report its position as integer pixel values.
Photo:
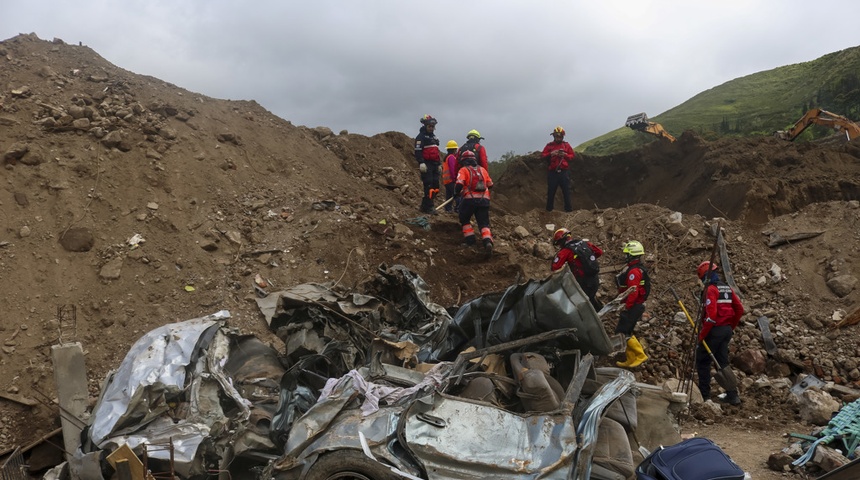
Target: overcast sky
(513, 70)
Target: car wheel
(348, 465)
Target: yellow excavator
(818, 116)
(640, 122)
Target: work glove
(423, 168)
(439, 168)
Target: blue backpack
(692, 459)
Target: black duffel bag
(692, 459)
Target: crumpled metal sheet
(204, 364)
(533, 307)
(157, 361)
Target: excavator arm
(817, 116)
(640, 122)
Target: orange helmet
(703, 268)
(560, 235)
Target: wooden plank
(125, 454)
(29, 402)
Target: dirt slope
(222, 191)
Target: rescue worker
(449, 176)
(473, 186)
(429, 162)
(722, 313)
(635, 276)
(559, 154)
(473, 144)
(582, 257)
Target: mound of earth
(129, 203)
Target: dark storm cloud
(512, 70)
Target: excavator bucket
(637, 122)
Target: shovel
(725, 377)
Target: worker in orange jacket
(473, 186)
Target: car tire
(348, 465)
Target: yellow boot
(635, 354)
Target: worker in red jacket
(473, 144)
(559, 154)
(635, 279)
(582, 257)
(722, 313)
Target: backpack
(473, 146)
(621, 279)
(586, 257)
(476, 180)
(693, 459)
(647, 281)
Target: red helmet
(428, 120)
(703, 268)
(467, 157)
(560, 236)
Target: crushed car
(377, 384)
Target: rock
(21, 199)
(112, 269)
(234, 237)
(24, 232)
(827, 458)
(77, 240)
(543, 250)
(750, 361)
(779, 461)
(401, 230)
(817, 407)
(15, 152)
(842, 285)
(167, 133)
(521, 232)
(208, 245)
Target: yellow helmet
(634, 248)
(451, 144)
(557, 131)
(474, 134)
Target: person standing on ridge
(473, 144)
(473, 185)
(559, 154)
(429, 162)
(722, 313)
(450, 168)
(635, 276)
(582, 257)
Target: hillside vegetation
(755, 105)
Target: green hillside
(756, 104)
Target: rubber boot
(635, 354)
(732, 398)
(488, 247)
(629, 353)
